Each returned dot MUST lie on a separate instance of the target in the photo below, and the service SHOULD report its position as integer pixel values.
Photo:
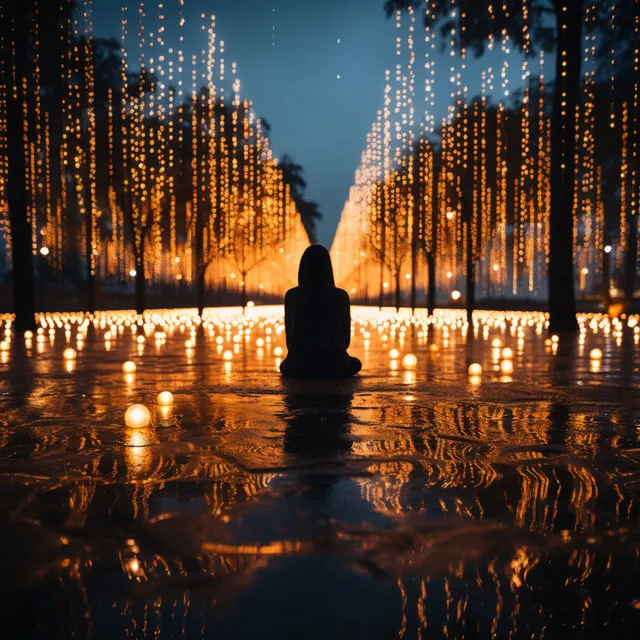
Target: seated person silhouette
(317, 319)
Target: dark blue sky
(318, 119)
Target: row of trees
(558, 26)
(476, 203)
(113, 171)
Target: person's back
(318, 322)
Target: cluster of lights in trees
(193, 191)
(488, 183)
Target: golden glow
(137, 416)
(409, 361)
(129, 366)
(165, 398)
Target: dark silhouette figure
(318, 322)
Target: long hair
(315, 267)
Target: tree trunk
(562, 299)
(140, 283)
(431, 291)
(397, 300)
(606, 277)
(244, 292)
(471, 277)
(17, 194)
(414, 263)
(417, 198)
(630, 265)
(200, 267)
(383, 245)
(200, 291)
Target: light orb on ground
(507, 353)
(595, 354)
(475, 369)
(137, 416)
(506, 366)
(409, 361)
(165, 398)
(129, 366)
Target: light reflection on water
(411, 503)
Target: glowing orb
(507, 353)
(28, 335)
(475, 369)
(434, 348)
(278, 351)
(506, 366)
(227, 355)
(615, 310)
(165, 398)
(409, 361)
(456, 295)
(129, 366)
(4, 346)
(140, 339)
(595, 354)
(69, 354)
(394, 354)
(260, 342)
(496, 343)
(137, 416)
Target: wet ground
(409, 502)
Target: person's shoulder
(292, 293)
(342, 293)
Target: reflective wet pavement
(414, 503)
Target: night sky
(291, 74)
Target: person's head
(315, 267)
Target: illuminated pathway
(416, 499)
